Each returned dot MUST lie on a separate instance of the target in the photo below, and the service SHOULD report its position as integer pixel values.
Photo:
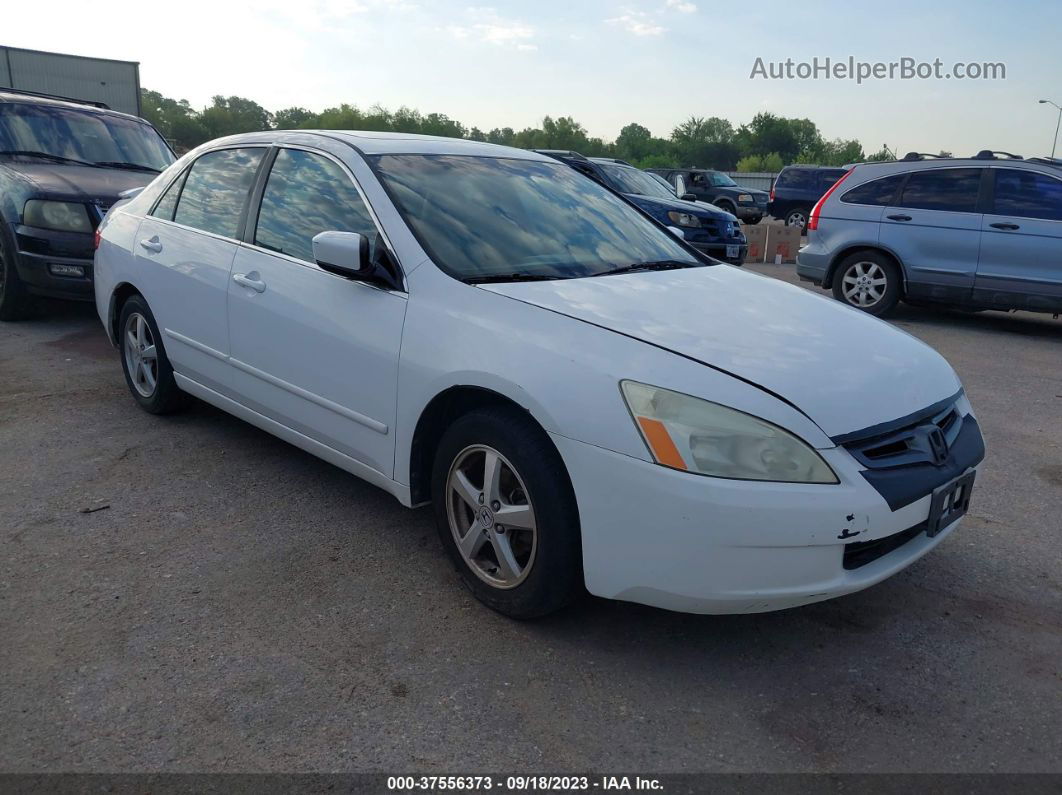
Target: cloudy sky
(605, 62)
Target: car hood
(757, 195)
(694, 208)
(842, 368)
(81, 183)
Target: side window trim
(254, 209)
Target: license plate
(950, 501)
(732, 251)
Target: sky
(605, 62)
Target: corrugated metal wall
(116, 83)
(760, 180)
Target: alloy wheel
(864, 284)
(491, 516)
(796, 219)
(141, 357)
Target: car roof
(370, 142)
(11, 97)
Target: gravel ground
(237, 605)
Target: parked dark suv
(708, 229)
(715, 187)
(63, 163)
(797, 188)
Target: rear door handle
(1004, 226)
(898, 217)
(152, 244)
(249, 280)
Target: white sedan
(586, 401)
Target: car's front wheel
(15, 303)
(869, 281)
(506, 513)
(148, 373)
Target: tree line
(767, 143)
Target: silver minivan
(977, 233)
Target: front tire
(869, 281)
(506, 513)
(147, 369)
(15, 302)
(725, 205)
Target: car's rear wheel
(798, 217)
(868, 281)
(148, 373)
(506, 513)
(15, 302)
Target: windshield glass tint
(483, 216)
(81, 135)
(631, 180)
(722, 180)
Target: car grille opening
(905, 445)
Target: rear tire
(15, 302)
(798, 216)
(869, 281)
(147, 369)
(514, 538)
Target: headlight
(688, 433)
(61, 216)
(745, 197)
(684, 219)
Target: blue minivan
(707, 228)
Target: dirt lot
(242, 606)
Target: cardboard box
(783, 241)
(757, 237)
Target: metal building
(114, 83)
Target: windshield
(721, 180)
(627, 179)
(93, 138)
(483, 217)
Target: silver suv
(980, 233)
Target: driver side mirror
(688, 197)
(346, 254)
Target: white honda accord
(585, 400)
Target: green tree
(752, 163)
(293, 118)
(768, 133)
(708, 143)
(231, 115)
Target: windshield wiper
(511, 277)
(46, 156)
(656, 265)
(123, 164)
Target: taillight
(813, 219)
(96, 239)
(772, 192)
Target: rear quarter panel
(114, 260)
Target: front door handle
(154, 245)
(250, 280)
(898, 217)
(1005, 226)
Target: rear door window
(877, 192)
(1028, 195)
(947, 189)
(168, 203)
(216, 190)
(797, 179)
